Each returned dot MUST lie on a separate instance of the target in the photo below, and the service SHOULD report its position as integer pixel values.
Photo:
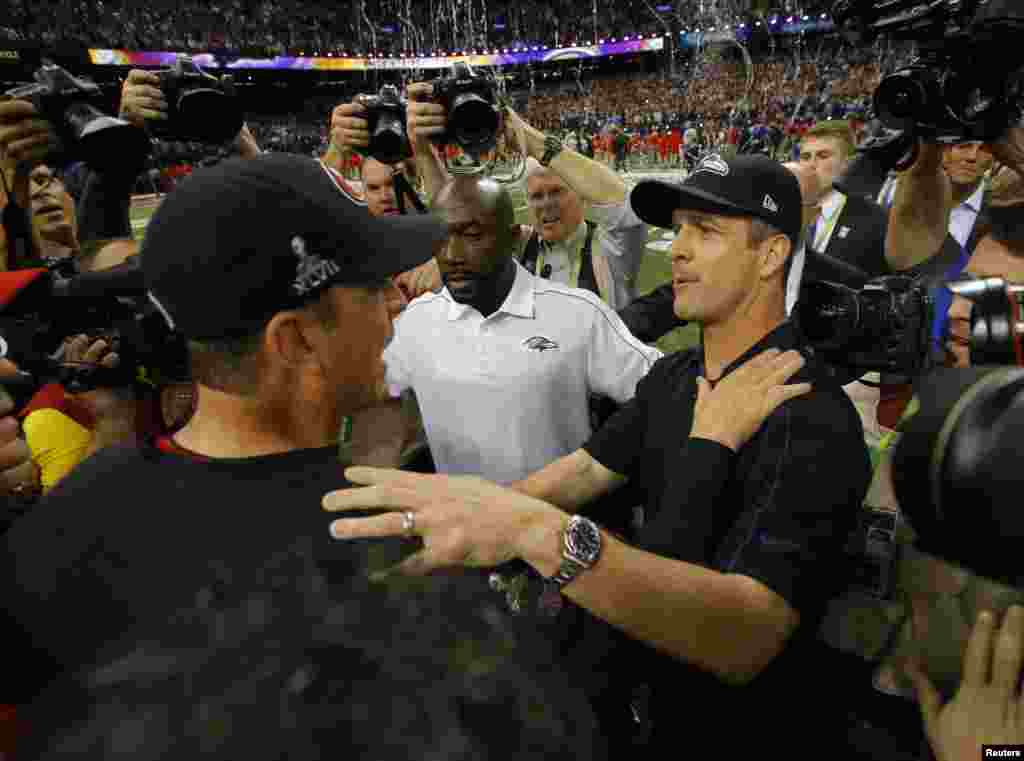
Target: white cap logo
(769, 203)
(713, 163)
(312, 271)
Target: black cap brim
(654, 202)
(401, 243)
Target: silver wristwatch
(581, 547)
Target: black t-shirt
(134, 533)
(779, 511)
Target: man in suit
(850, 228)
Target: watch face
(583, 540)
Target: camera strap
(18, 230)
(403, 189)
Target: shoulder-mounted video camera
(968, 81)
(385, 116)
(72, 105)
(200, 106)
(997, 320)
(472, 109)
(883, 326)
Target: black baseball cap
(747, 186)
(236, 243)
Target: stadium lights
(759, 23)
(824, 15)
(625, 39)
(806, 18)
(600, 42)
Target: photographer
(734, 562)
(266, 267)
(563, 187)
(349, 134)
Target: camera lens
(901, 98)
(474, 123)
(388, 143)
(828, 314)
(209, 115)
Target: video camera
(39, 309)
(200, 106)
(385, 115)
(968, 81)
(72, 106)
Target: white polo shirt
(503, 396)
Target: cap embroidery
(312, 271)
(713, 163)
(769, 203)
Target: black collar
(783, 337)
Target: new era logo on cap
(769, 203)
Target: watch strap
(552, 147)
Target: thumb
(928, 698)
(703, 389)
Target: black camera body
(72, 105)
(885, 326)
(385, 115)
(471, 107)
(968, 81)
(997, 320)
(200, 106)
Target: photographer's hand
(1009, 149)
(142, 98)
(349, 130)
(988, 707)
(246, 144)
(16, 467)
(25, 138)
(733, 411)
(426, 119)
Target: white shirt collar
(973, 201)
(831, 204)
(519, 302)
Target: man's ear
(288, 339)
(774, 253)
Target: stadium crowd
(191, 567)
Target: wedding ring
(408, 522)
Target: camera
(200, 106)
(968, 81)
(997, 320)
(72, 106)
(385, 116)
(884, 326)
(471, 107)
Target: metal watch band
(581, 549)
(568, 571)
(552, 147)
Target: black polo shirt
(778, 511)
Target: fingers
(18, 475)
(781, 394)
(14, 452)
(112, 360)
(783, 367)
(928, 697)
(419, 91)
(141, 77)
(978, 654)
(1009, 653)
(95, 352)
(376, 527)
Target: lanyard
(575, 265)
(823, 234)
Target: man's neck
(962, 192)
(725, 342)
(230, 427)
(494, 290)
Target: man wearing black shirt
(278, 281)
(745, 522)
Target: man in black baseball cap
(752, 483)
(278, 280)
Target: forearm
(919, 217)
(593, 181)
(335, 158)
(568, 483)
(430, 169)
(717, 622)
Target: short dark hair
(760, 231)
(230, 364)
